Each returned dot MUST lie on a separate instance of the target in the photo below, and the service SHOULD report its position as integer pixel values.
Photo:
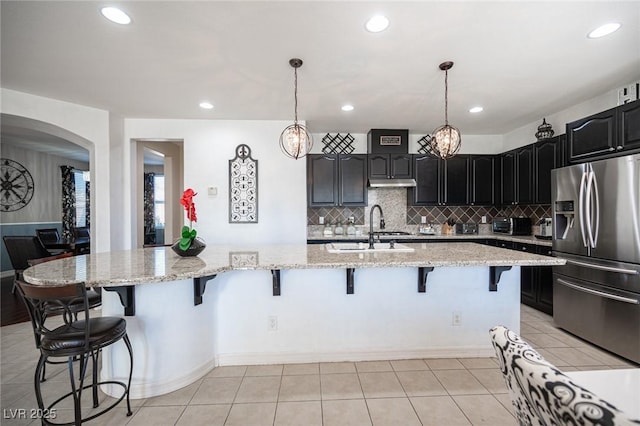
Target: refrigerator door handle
(581, 206)
(589, 207)
(604, 268)
(599, 293)
(596, 203)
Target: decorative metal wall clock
(243, 187)
(17, 185)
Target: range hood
(392, 183)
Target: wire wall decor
(424, 143)
(338, 144)
(243, 187)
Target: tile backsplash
(398, 215)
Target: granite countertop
(162, 264)
(528, 239)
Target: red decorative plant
(188, 233)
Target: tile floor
(465, 391)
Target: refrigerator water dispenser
(564, 218)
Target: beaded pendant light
(295, 140)
(445, 141)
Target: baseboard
(225, 359)
(144, 389)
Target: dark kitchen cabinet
(483, 177)
(352, 180)
(524, 175)
(508, 178)
(544, 294)
(428, 174)
(629, 126)
(456, 181)
(592, 136)
(547, 156)
(440, 182)
(536, 282)
(336, 180)
(517, 176)
(388, 166)
(322, 180)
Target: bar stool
(93, 296)
(74, 339)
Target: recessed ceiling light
(347, 107)
(377, 23)
(604, 30)
(476, 109)
(115, 15)
(206, 105)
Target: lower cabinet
(536, 282)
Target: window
(81, 178)
(158, 200)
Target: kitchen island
(288, 304)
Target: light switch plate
(212, 190)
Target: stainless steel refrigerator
(596, 228)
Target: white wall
(208, 147)
(92, 127)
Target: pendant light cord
(295, 95)
(446, 97)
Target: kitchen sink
(364, 248)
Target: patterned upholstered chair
(542, 394)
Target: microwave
(512, 225)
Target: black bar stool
(74, 339)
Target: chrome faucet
(371, 223)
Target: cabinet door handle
(619, 147)
(612, 149)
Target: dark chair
(81, 232)
(94, 297)
(20, 250)
(74, 339)
(49, 235)
(82, 237)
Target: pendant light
(445, 141)
(295, 141)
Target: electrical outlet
(272, 323)
(456, 319)
(484, 219)
(423, 219)
(321, 220)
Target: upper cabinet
(322, 180)
(629, 125)
(592, 136)
(547, 155)
(609, 133)
(390, 166)
(428, 175)
(524, 175)
(508, 178)
(352, 180)
(517, 176)
(456, 181)
(336, 180)
(483, 176)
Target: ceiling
(520, 60)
